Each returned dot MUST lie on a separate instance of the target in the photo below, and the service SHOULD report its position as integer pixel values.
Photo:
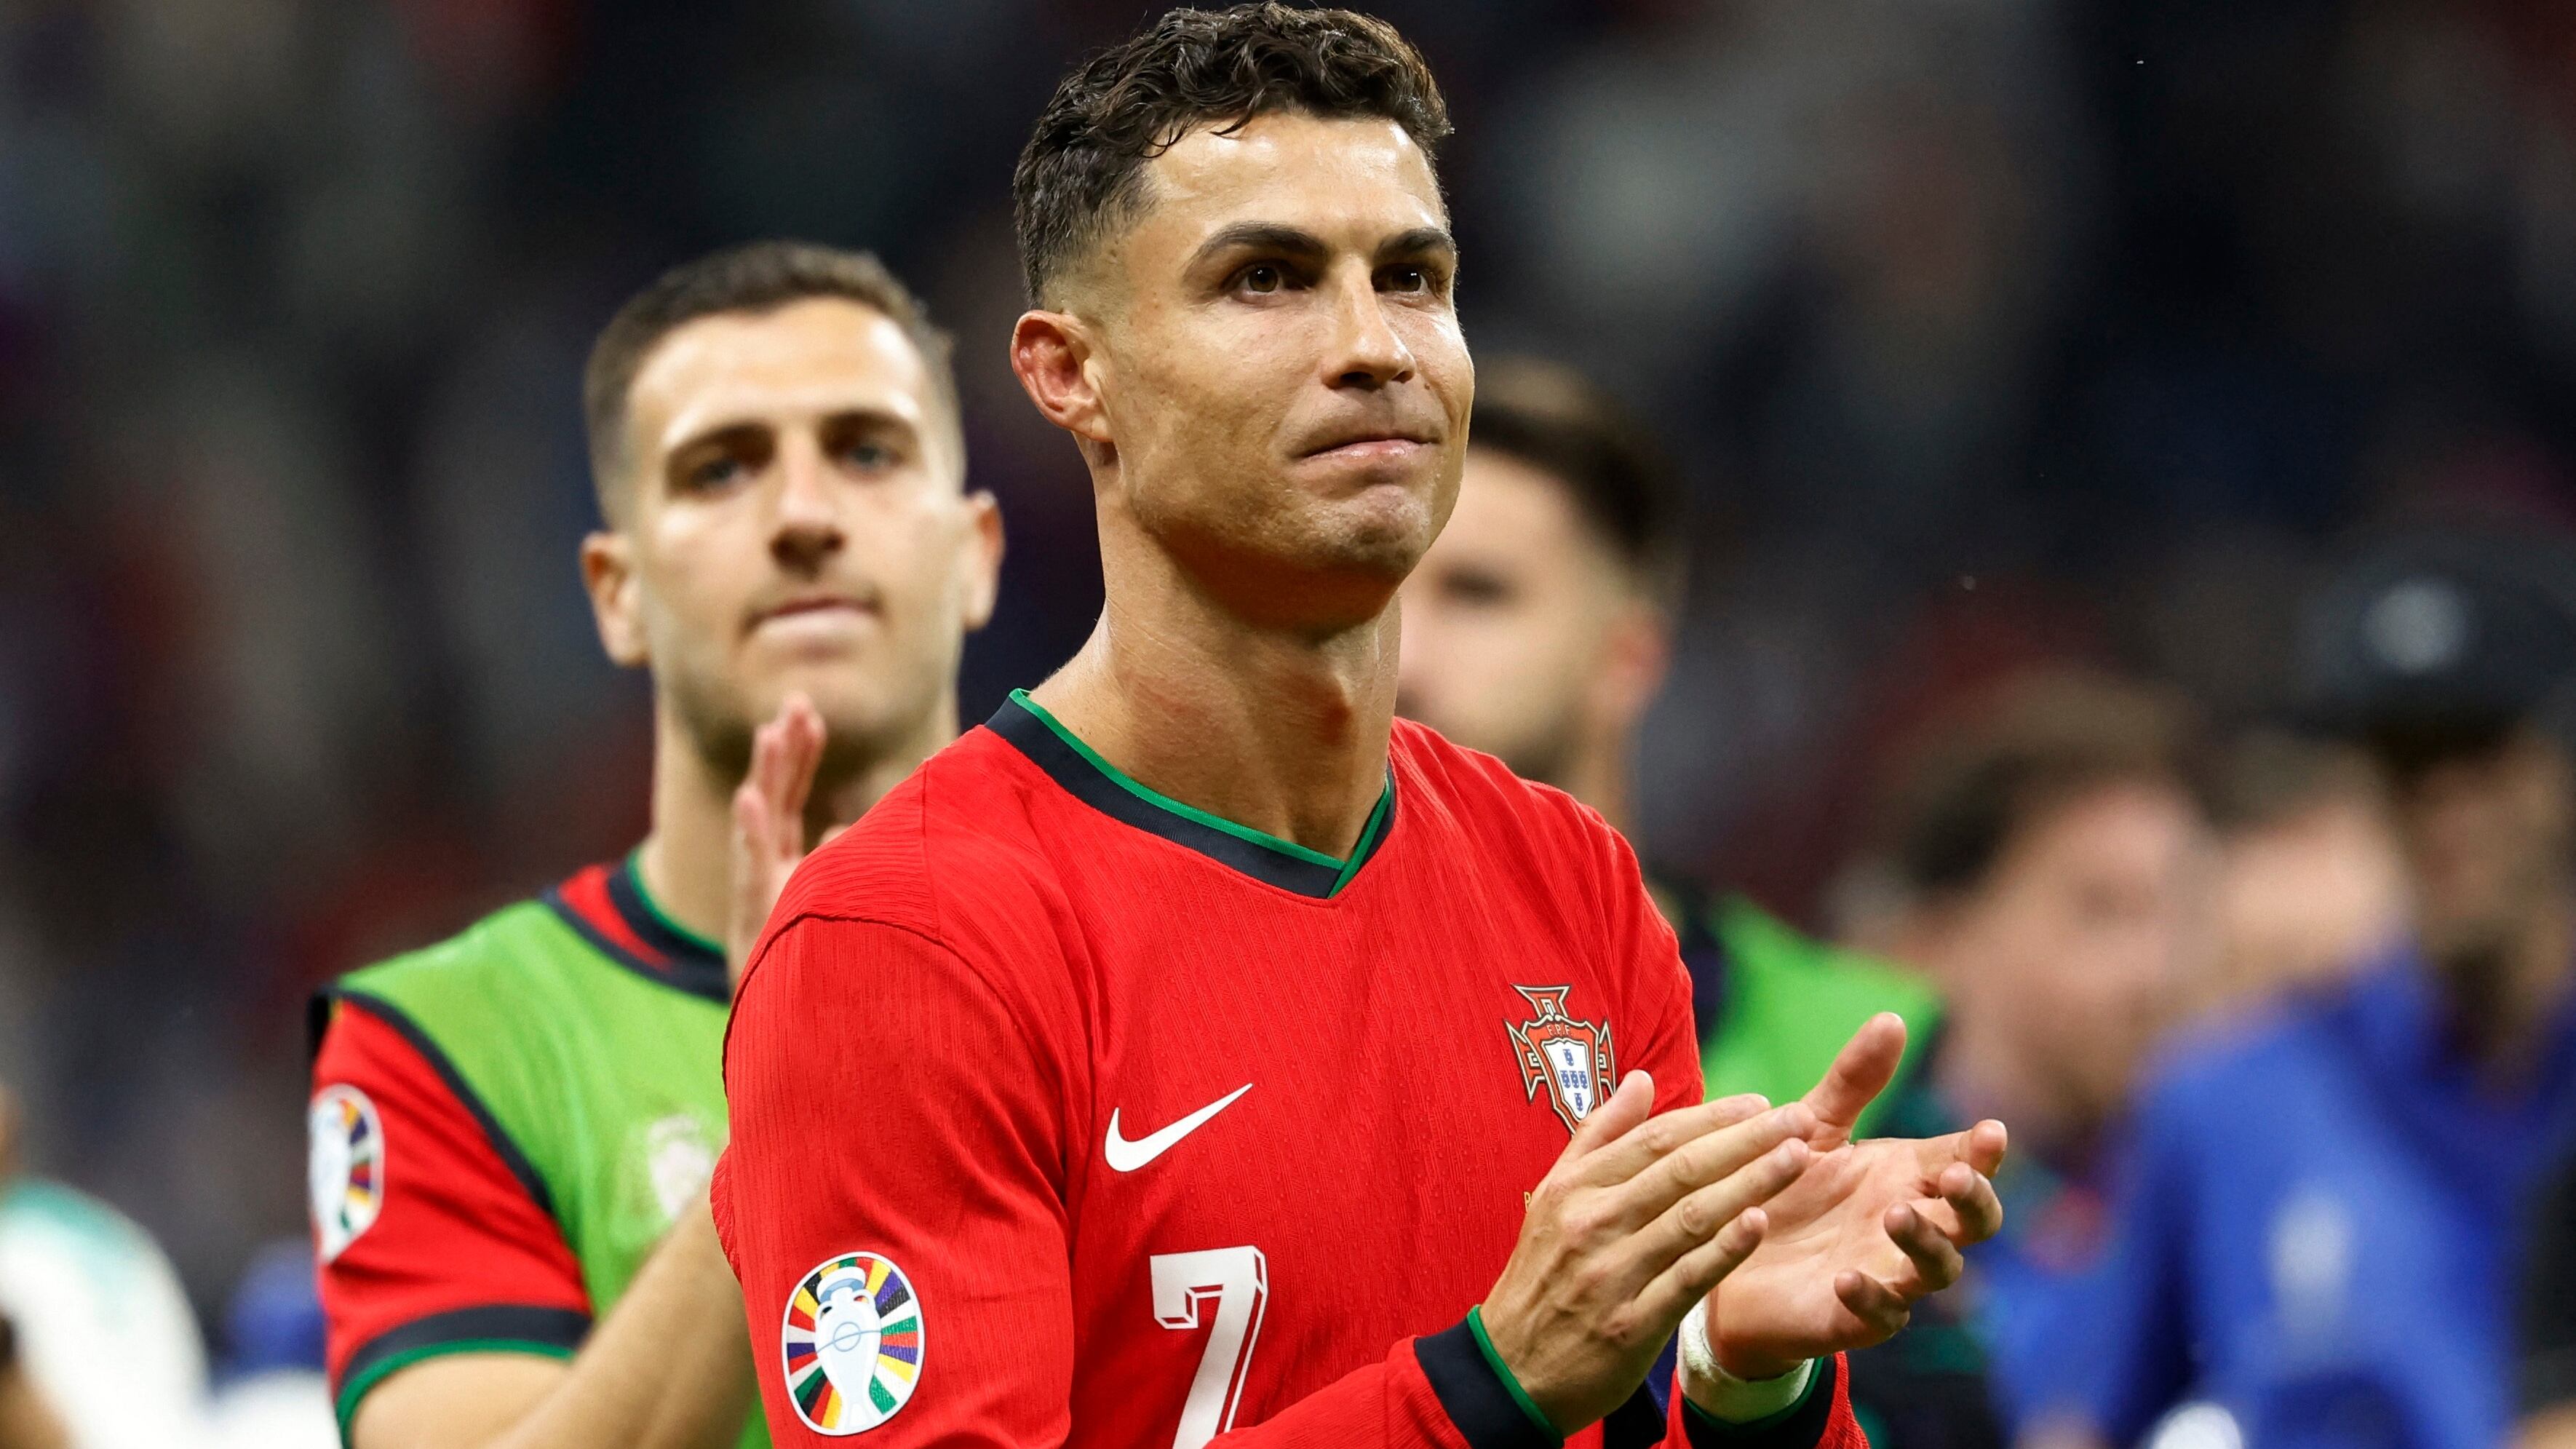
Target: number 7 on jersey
(1239, 1280)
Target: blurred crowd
(2043, 383)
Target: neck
(1279, 728)
(2503, 1006)
(687, 860)
(1598, 777)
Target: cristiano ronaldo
(1197, 1053)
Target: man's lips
(1371, 446)
(818, 604)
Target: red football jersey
(1063, 1113)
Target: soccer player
(1537, 630)
(2319, 1234)
(512, 1130)
(1196, 1053)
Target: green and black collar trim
(1102, 786)
(608, 906)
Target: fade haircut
(1082, 175)
(1553, 419)
(2016, 753)
(754, 278)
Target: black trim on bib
(608, 910)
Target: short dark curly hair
(1082, 172)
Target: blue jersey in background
(2317, 1230)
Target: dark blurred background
(1988, 331)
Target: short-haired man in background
(512, 1129)
(1199, 1053)
(1538, 628)
(2047, 863)
(2319, 1234)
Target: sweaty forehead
(1348, 182)
(812, 358)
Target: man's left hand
(1864, 1233)
(769, 823)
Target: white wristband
(1721, 1394)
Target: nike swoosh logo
(1125, 1156)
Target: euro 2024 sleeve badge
(1568, 1057)
(852, 1340)
(346, 1170)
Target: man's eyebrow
(1422, 241)
(723, 433)
(733, 430)
(1267, 236)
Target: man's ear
(608, 576)
(1636, 654)
(1055, 356)
(984, 559)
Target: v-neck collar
(609, 906)
(1027, 727)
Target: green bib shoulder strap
(1789, 1002)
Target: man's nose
(1367, 352)
(807, 528)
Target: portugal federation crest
(852, 1341)
(1568, 1057)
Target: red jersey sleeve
(431, 1233)
(1658, 982)
(889, 1113)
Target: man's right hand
(1637, 1221)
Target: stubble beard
(720, 731)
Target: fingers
(769, 819)
(801, 725)
(1971, 1196)
(1716, 1158)
(1936, 1259)
(1692, 1221)
(1862, 1070)
(1642, 1146)
(1880, 1309)
(1680, 1288)
(1628, 1105)
(1961, 1167)
(769, 808)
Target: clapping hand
(769, 823)
(1866, 1231)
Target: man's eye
(1407, 279)
(715, 472)
(870, 457)
(1264, 277)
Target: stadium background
(1987, 331)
